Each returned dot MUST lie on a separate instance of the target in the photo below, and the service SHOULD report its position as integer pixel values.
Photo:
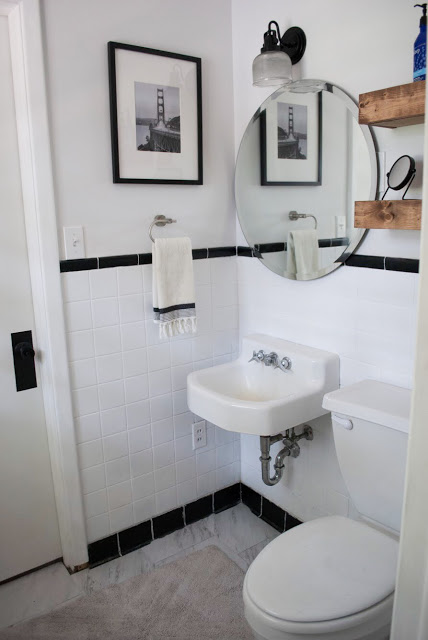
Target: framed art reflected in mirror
(291, 140)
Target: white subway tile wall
(368, 317)
(133, 426)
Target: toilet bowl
(333, 578)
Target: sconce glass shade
(272, 68)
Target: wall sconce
(272, 67)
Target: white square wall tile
(105, 312)
(141, 463)
(130, 280)
(144, 509)
(147, 277)
(90, 454)
(202, 347)
(225, 455)
(113, 421)
(140, 439)
(136, 388)
(183, 424)
(183, 448)
(143, 486)
(179, 376)
(205, 462)
(75, 286)
(180, 402)
(88, 428)
(131, 308)
(109, 368)
(115, 446)
(186, 492)
(134, 362)
(185, 470)
(93, 479)
(107, 340)
(97, 527)
(181, 352)
(118, 471)
(138, 414)
(206, 484)
(148, 306)
(165, 478)
(163, 455)
(160, 382)
(159, 357)
(103, 283)
(119, 495)
(133, 335)
(95, 503)
(162, 431)
(80, 345)
(111, 394)
(85, 401)
(161, 407)
(83, 373)
(166, 500)
(78, 315)
(202, 271)
(227, 476)
(121, 518)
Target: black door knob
(25, 350)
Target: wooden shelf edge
(388, 214)
(394, 107)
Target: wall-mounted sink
(256, 398)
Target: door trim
(42, 241)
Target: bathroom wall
(133, 426)
(367, 316)
(115, 217)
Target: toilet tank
(370, 425)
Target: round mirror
(302, 163)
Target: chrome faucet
(271, 360)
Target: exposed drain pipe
(291, 448)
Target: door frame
(29, 80)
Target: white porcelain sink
(250, 397)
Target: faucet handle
(258, 356)
(284, 364)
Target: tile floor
(237, 531)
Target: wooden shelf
(388, 214)
(394, 107)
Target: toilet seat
(328, 573)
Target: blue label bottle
(420, 47)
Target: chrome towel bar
(159, 221)
(293, 215)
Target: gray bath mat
(198, 597)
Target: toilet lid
(323, 570)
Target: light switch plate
(74, 243)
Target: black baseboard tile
(273, 515)
(168, 522)
(83, 264)
(135, 537)
(103, 550)
(407, 265)
(144, 258)
(199, 509)
(107, 262)
(251, 499)
(221, 252)
(291, 521)
(199, 254)
(226, 498)
(245, 252)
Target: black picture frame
(264, 161)
(190, 171)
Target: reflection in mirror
(302, 163)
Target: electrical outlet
(199, 434)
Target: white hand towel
(173, 286)
(302, 253)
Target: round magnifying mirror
(303, 161)
(401, 174)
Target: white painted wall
(368, 317)
(116, 217)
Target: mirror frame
(351, 104)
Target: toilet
(333, 578)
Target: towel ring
(159, 221)
(293, 215)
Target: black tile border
(137, 536)
(407, 265)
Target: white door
(29, 535)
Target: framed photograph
(291, 140)
(155, 115)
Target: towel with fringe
(173, 286)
